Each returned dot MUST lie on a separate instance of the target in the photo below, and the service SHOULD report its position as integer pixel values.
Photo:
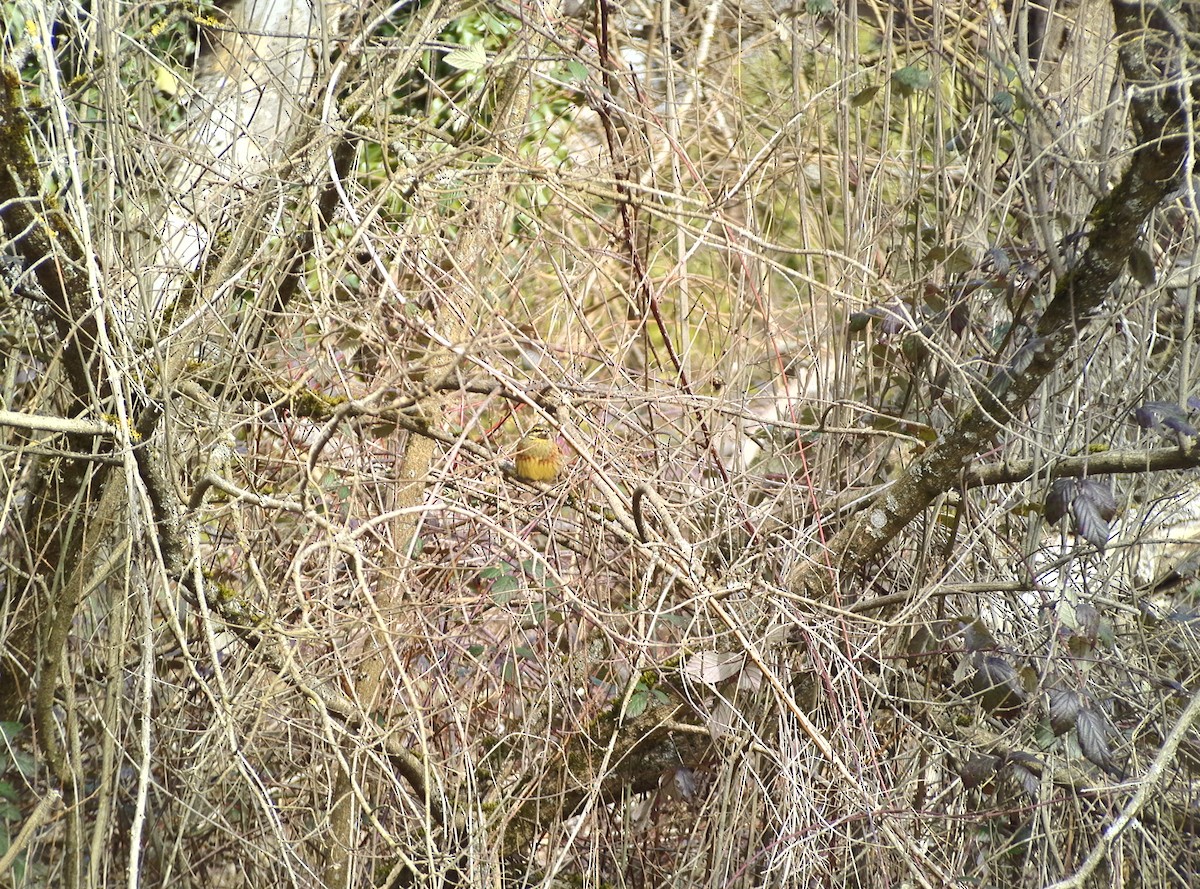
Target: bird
(539, 458)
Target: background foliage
(284, 287)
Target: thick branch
(46, 240)
(1114, 228)
(1104, 463)
(50, 246)
(43, 423)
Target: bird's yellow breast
(538, 459)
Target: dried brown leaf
(712, 667)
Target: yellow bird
(539, 458)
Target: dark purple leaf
(975, 634)
(1100, 496)
(960, 318)
(977, 770)
(1163, 416)
(1090, 521)
(1058, 501)
(996, 685)
(1064, 707)
(858, 321)
(1027, 778)
(895, 318)
(1092, 731)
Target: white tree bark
(246, 109)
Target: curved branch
(1114, 229)
(1104, 463)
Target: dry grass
(605, 682)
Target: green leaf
(1003, 103)
(637, 703)
(467, 58)
(911, 78)
(504, 586)
(495, 25)
(577, 72)
(957, 260)
(1043, 735)
(914, 348)
(858, 321)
